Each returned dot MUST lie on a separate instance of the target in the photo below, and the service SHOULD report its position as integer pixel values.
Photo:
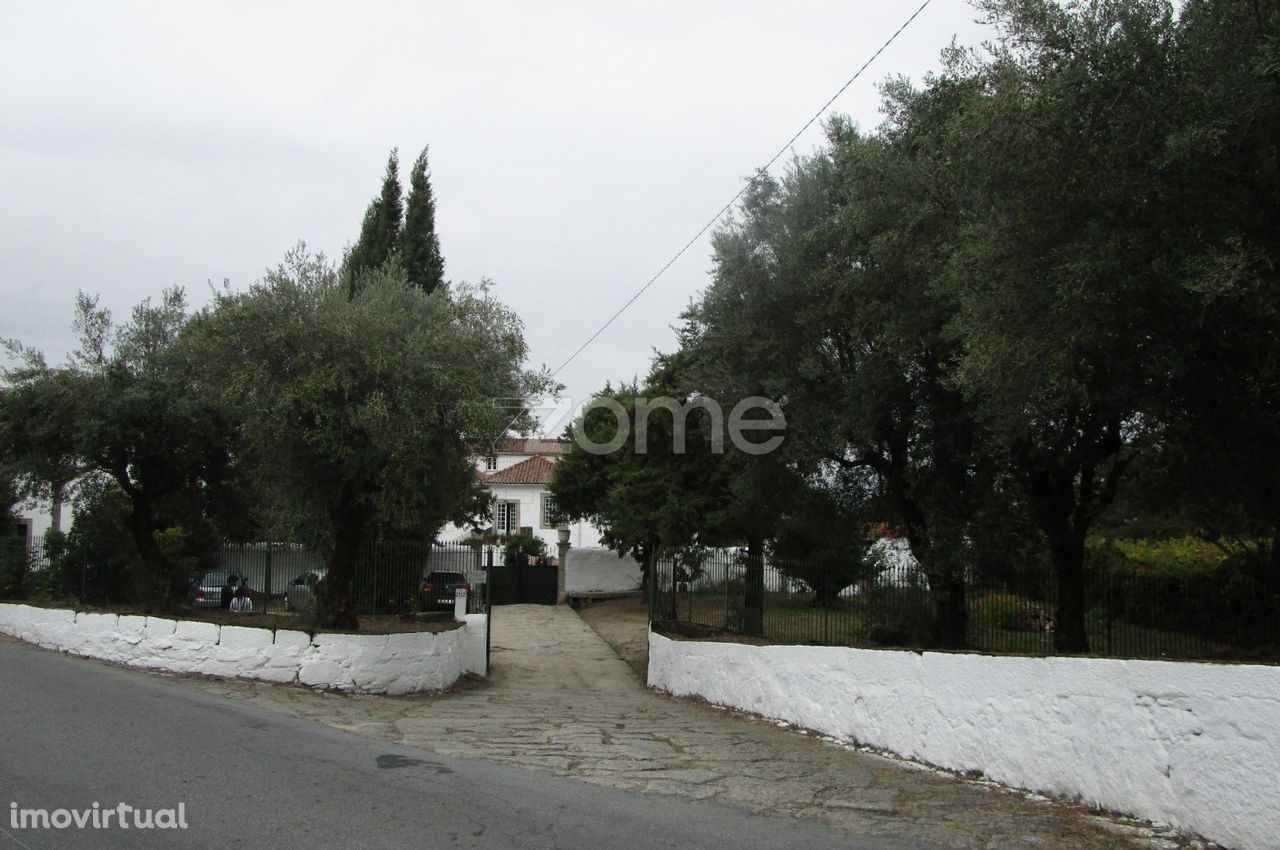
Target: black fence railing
(390, 577)
(1214, 615)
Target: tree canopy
(399, 232)
(356, 414)
(127, 407)
(1051, 265)
(419, 245)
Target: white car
(300, 595)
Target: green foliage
(1004, 611)
(639, 501)
(419, 245)
(128, 408)
(394, 233)
(955, 349)
(825, 296)
(358, 413)
(389, 575)
(1225, 602)
(13, 556)
(520, 546)
(97, 561)
(379, 232)
(14, 569)
(1180, 555)
(822, 543)
(675, 482)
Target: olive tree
(356, 413)
(128, 407)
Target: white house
(517, 474)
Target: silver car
(300, 595)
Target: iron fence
(390, 577)
(1213, 615)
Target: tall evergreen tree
(419, 246)
(380, 232)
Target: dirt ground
(624, 625)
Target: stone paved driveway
(560, 699)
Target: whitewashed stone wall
(591, 570)
(380, 664)
(1193, 745)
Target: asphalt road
(75, 732)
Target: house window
(506, 517)
(491, 462)
(550, 513)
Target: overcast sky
(574, 146)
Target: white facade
(517, 475)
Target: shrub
(1177, 585)
(522, 545)
(900, 616)
(1174, 555)
(13, 571)
(1007, 612)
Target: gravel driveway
(560, 699)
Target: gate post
(562, 565)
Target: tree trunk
(948, 615)
(340, 610)
(753, 597)
(1272, 578)
(827, 595)
(1067, 551)
(949, 626)
(1064, 502)
(648, 559)
(158, 579)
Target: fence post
(562, 568)
(724, 573)
(827, 602)
(648, 591)
(266, 580)
(1106, 596)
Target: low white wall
(381, 664)
(590, 570)
(1193, 745)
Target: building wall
(1193, 745)
(529, 497)
(596, 570)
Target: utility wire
(724, 209)
(741, 191)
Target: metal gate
(533, 584)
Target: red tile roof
(535, 470)
(532, 446)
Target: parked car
(206, 591)
(301, 593)
(439, 590)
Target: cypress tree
(420, 247)
(380, 231)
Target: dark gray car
(439, 590)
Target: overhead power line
(728, 206)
